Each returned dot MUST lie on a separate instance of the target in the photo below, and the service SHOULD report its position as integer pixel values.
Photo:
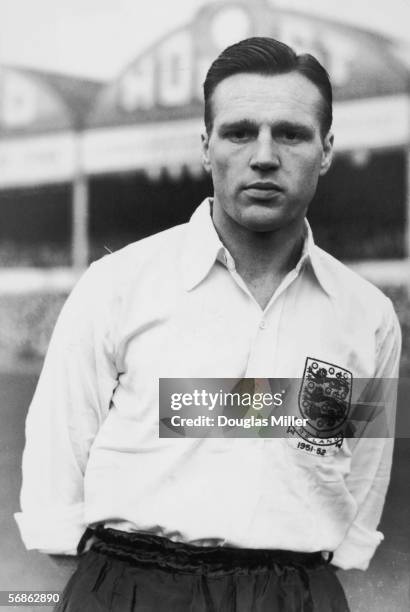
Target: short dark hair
(267, 56)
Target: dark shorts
(143, 573)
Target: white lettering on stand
(175, 70)
(136, 89)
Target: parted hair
(267, 56)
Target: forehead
(266, 98)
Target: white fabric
(168, 307)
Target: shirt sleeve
(372, 457)
(70, 403)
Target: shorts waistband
(148, 550)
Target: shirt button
(263, 324)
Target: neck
(260, 254)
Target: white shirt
(167, 307)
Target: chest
(224, 333)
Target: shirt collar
(313, 256)
(203, 247)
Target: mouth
(263, 190)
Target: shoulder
(141, 267)
(162, 243)
(352, 292)
(146, 256)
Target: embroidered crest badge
(324, 401)
(325, 396)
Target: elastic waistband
(148, 550)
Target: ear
(206, 162)
(327, 154)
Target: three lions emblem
(324, 400)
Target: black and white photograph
(205, 305)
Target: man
(241, 291)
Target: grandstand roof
(35, 101)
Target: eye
(291, 135)
(238, 134)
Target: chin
(262, 222)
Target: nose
(265, 155)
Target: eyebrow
(240, 124)
(283, 125)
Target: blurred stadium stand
(87, 166)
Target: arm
(371, 459)
(70, 403)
